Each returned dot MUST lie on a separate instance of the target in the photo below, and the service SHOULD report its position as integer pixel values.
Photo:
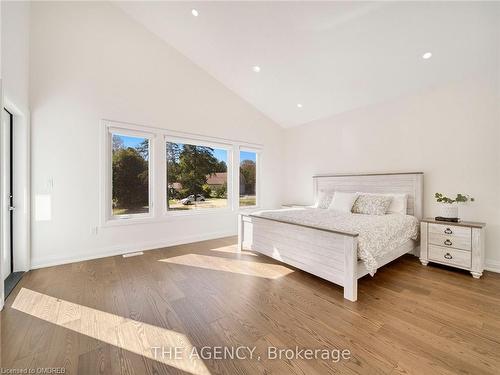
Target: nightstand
(458, 245)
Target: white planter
(449, 210)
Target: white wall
(450, 132)
(15, 53)
(89, 61)
(15, 34)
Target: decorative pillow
(324, 199)
(399, 203)
(343, 202)
(372, 204)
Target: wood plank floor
(104, 316)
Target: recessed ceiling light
(299, 105)
(194, 12)
(427, 55)
(256, 68)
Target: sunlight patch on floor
(128, 334)
(243, 267)
(233, 249)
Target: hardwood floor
(104, 316)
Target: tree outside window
(196, 177)
(248, 178)
(130, 175)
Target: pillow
(324, 199)
(372, 204)
(399, 203)
(343, 202)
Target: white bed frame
(331, 255)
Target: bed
(334, 248)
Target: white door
(7, 121)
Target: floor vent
(133, 254)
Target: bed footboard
(328, 254)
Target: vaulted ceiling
(330, 57)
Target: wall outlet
(94, 230)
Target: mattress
(379, 235)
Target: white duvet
(378, 234)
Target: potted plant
(449, 207)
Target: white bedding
(378, 234)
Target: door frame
(2, 288)
(21, 234)
(9, 187)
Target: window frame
(107, 217)
(157, 173)
(229, 148)
(258, 155)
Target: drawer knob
(448, 242)
(448, 256)
(448, 231)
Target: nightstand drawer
(450, 230)
(450, 240)
(454, 257)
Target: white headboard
(408, 183)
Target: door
(8, 257)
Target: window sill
(202, 211)
(166, 217)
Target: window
(197, 176)
(248, 178)
(151, 174)
(130, 193)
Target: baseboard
(123, 249)
(492, 265)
